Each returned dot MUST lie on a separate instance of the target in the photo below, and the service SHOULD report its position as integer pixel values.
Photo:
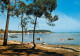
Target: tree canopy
(38, 8)
(43, 7)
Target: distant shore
(28, 33)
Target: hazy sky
(69, 18)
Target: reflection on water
(51, 38)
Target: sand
(14, 48)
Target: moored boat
(44, 42)
(38, 38)
(70, 38)
(14, 36)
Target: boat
(44, 42)
(62, 39)
(70, 38)
(38, 38)
(14, 36)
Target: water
(51, 38)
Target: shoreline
(65, 50)
(1, 38)
(71, 48)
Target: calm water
(51, 38)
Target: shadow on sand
(18, 50)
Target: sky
(68, 12)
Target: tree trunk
(22, 27)
(6, 28)
(34, 33)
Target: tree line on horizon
(30, 31)
(37, 8)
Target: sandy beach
(53, 50)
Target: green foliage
(27, 20)
(50, 4)
(48, 16)
(31, 31)
(38, 31)
(55, 18)
(1, 31)
(2, 7)
(51, 20)
(5, 1)
(6, 5)
(35, 9)
(29, 9)
(11, 31)
(17, 13)
(22, 6)
(10, 8)
(40, 7)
